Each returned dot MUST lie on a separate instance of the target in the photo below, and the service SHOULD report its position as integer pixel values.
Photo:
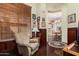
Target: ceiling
(55, 4)
(55, 16)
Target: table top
(57, 44)
(72, 49)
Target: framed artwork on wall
(72, 18)
(38, 21)
(34, 16)
(38, 18)
(43, 23)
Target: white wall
(40, 9)
(66, 9)
(64, 24)
(73, 8)
(43, 13)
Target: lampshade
(35, 29)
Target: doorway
(54, 30)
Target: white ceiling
(55, 16)
(55, 4)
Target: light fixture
(35, 30)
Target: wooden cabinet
(42, 35)
(43, 41)
(8, 47)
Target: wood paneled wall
(15, 15)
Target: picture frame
(34, 16)
(72, 18)
(38, 18)
(43, 23)
(38, 22)
(34, 20)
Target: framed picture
(43, 23)
(34, 16)
(38, 21)
(38, 18)
(72, 18)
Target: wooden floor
(41, 51)
(49, 51)
(44, 51)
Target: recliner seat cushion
(33, 45)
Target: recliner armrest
(34, 39)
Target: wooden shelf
(15, 24)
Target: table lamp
(35, 30)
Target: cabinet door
(43, 37)
(10, 46)
(2, 46)
(72, 35)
